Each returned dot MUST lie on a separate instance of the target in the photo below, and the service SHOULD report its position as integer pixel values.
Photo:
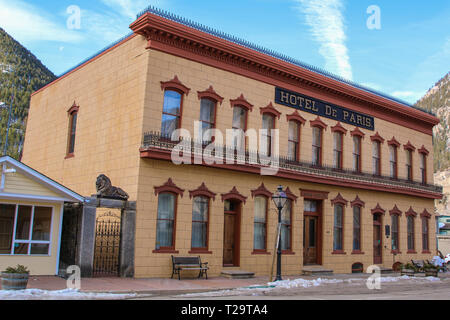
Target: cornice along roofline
(154, 22)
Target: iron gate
(107, 245)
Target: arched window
(200, 223)
(73, 116)
(410, 230)
(165, 226)
(171, 117)
(260, 223)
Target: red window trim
(358, 205)
(378, 210)
(241, 101)
(261, 191)
(379, 155)
(210, 93)
(339, 128)
(295, 116)
(423, 150)
(357, 132)
(175, 84)
(357, 202)
(425, 220)
(411, 212)
(395, 147)
(339, 200)
(289, 250)
(314, 194)
(269, 133)
(377, 137)
(321, 142)
(318, 123)
(290, 195)
(410, 168)
(424, 169)
(202, 191)
(170, 187)
(425, 214)
(270, 109)
(233, 194)
(413, 250)
(395, 211)
(409, 146)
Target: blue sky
(404, 58)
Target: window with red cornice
(410, 231)
(357, 153)
(356, 228)
(395, 227)
(338, 146)
(338, 224)
(425, 235)
(317, 146)
(260, 224)
(240, 124)
(207, 118)
(171, 116)
(268, 124)
(286, 226)
(165, 225)
(294, 140)
(73, 115)
(409, 163)
(376, 157)
(423, 167)
(200, 223)
(393, 161)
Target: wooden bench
(189, 263)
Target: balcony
(156, 146)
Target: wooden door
(310, 241)
(377, 257)
(229, 239)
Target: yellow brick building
(354, 160)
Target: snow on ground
(66, 294)
(305, 283)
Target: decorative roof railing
(195, 25)
(157, 141)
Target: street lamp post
(279, 198)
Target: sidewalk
(155, 286)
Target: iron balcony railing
(155, 140)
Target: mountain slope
(437, 99)
(21, 73)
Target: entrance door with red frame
(231, 231)
(311, 233)
(377, 245)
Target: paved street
(336, 287)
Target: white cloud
(409, 96)
(327, 23)
(26, 22)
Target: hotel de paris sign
(323, 109)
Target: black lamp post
(279, 198)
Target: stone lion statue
(106, 190)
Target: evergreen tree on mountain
(21, 73)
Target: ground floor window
(25, 230)
(338, 228)
(200, 212)
(286, 226)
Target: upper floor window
(207, 118)
(423, 167)
(73, 116)
(268, 124)
(317, 146)
(357, 154)
(239, 123)
(294, 141)
(393, 161)
(171, 117)
(409, 168)
(338, 143)
(260, 223)
(376, 157)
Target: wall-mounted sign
(323, 109)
